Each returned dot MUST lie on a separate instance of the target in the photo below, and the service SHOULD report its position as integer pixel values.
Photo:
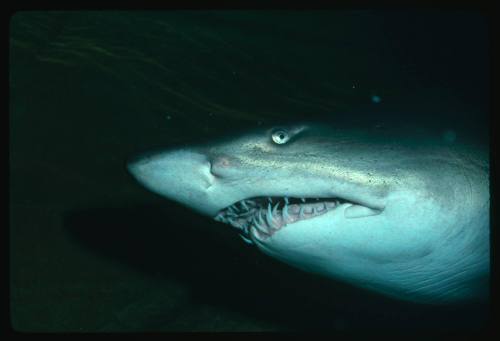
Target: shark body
(405, 217)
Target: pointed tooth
(244, 205)
(269, 216)
(303, 200)
(261, 220)
(219, 217)
(275, 220)
(284, 213)
(301, 212)
(246, 240)
(270, 200)
(275, 209)
(231, 214)
(247, 213)
(286, 201)
(261, 229)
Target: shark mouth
(264, 216)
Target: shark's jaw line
(261, 217)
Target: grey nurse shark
(403, 216)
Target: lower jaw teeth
(246, 215)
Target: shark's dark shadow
(220, 270)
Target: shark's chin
(261, 217)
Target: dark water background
(90, 250)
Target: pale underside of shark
(406, 217)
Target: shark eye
(280, 136)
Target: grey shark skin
(408, 218)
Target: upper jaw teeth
(268, 215)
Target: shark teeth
(284, 212)
(260, 225)
(301, 212)
(269, 215)
(243, 205)
(265, 216)
(245, 239)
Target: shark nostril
(222, 162)
(220, 165)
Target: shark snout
(168, 168)
(181, 175)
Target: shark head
(401, 217)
